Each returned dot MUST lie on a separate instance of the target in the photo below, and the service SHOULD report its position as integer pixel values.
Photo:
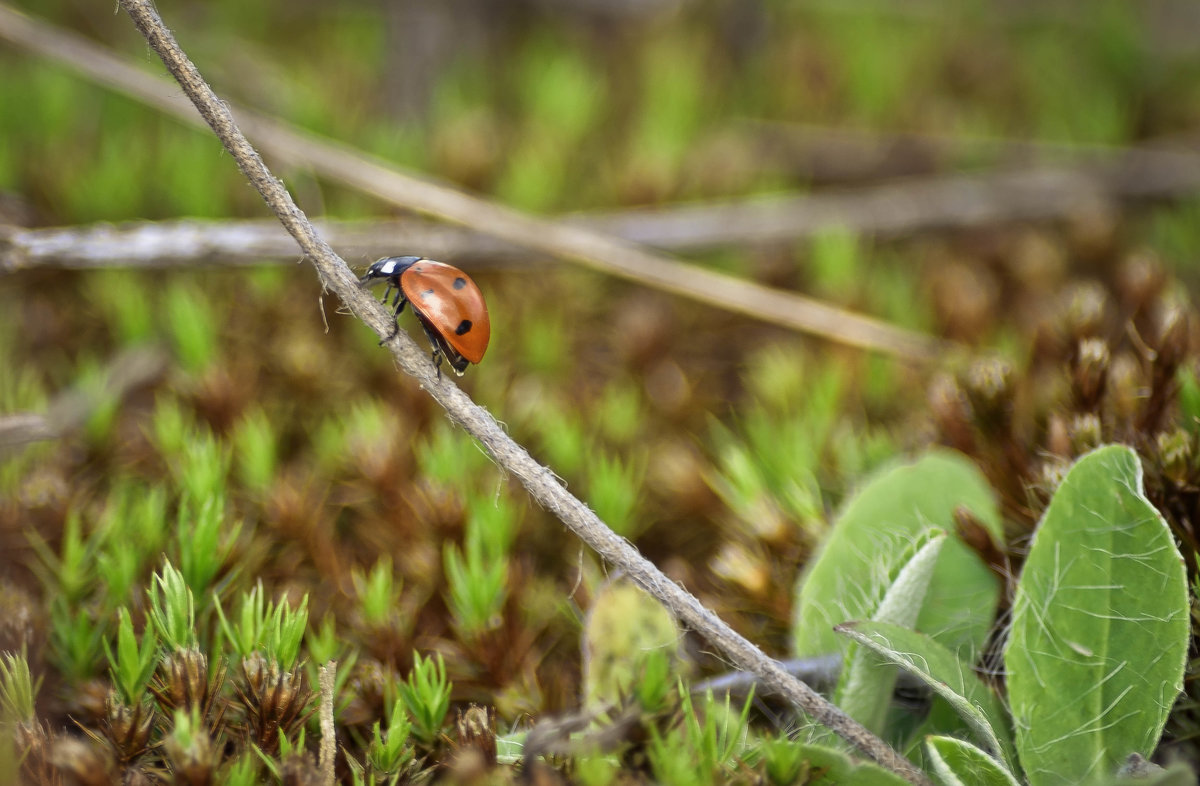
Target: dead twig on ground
(541, 483)
(944, 202)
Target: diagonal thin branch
(370, 175)
(537, 479)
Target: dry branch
(538, 480)
(894, 209)
(372, 176)
(188, 242)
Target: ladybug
(447, 303)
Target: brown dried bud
(989, 390)
(1089, 374)
(735, 563)
(1085, 432)
(1174, 337)
(1175, 451)
(1058, 436)
(477, 729)
(128, 728)
(950, 413)
(1086, 311)
(182, 681)
(1054, 470)
(1125, 387)
(81, 764)
(21, 620)
(1140, 280)
(273, 699)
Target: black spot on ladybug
(460, 282)
(463, 327)
(427, 293)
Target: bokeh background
(720, 444)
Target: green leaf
(945, 674)
(871, 540)
(959, 763)
(1100, 626)
(830, 767)
(865, 690)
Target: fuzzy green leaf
(945, 674)
(871, 540)
(959, 763)
(865, 690)
(828, 766)
(1100, 626)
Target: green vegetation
(1013, 595)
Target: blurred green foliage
(280, 444)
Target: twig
(188, 242)
(894, 209)
(538, 480)
(571, 243)
(326, 680)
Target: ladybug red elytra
(447, 303)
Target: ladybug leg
(399, 302)
(435, 341)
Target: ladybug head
(389, 267)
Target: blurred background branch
(374, 177)
(891, 210)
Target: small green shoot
(255, 447)
(172, 429)
(389, 752)
(275, 630)
(243, 771)
(204, 539)
(449, 455)
(378, 592)
(493, 521)
(105, 404)
(784, 762)
(172, 609)
(75, 640)
(563, 439)
(189, 748)
(69, 573)
(17, 689)
(715, 733)
(191, 324)
(426, 694)
(653, 686)
(478, 587)
(615, 487)
(132, 533)
(121, 296)
(133, 663)
(203, 467)
(621, 412)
